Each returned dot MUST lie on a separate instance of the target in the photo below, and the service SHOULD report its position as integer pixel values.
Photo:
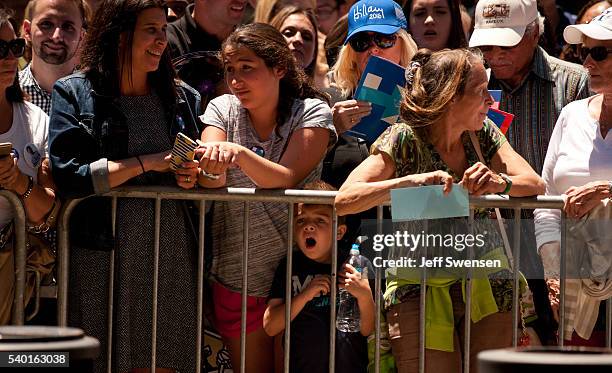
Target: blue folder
(380, 84)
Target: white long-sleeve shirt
(577, 154)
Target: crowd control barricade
(19, 222)
(290, 197)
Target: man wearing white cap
(535, 87)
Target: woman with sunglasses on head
(25, 170)
(578, 165)
(271, 132)
(114, 124)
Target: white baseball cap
(502, 22)
(599, 28)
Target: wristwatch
(508, 181)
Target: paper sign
(429, 202)
(501, 119)
(496, 94)
(380, 84)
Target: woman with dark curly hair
(114, 124)
(271, 132)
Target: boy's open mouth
(310, 242)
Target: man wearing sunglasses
(55, 30)
(535, 87)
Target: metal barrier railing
(290, 197)
(19, 222)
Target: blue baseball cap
(382, 16)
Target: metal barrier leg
(200, 305)
(288, 287)
(609, 323)
(111, 290)
(155, 284)
(422, 310)
(20, 257)
(468, 304)
(516, 288)
(562, 274)
(378, 294)
(245, 282)
(334, 286)
(63, 262)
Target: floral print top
(414, 154)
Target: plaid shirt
(537, 102)
(38, 96)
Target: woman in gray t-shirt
(272, 132)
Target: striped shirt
(38, 96)
(537, 102)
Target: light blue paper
(429, 202)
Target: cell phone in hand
(183, 151)
(5, 149)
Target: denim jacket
(86, 130)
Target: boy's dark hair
(319, 185)
(323, 186)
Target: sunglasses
(16, 46)
(597, 53)
(363, 41)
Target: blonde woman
(382, 34)
(368, 35)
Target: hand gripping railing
(290, 197)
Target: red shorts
(228, 305)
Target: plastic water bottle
(347, 318)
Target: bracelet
(209, 176)
(141, 165)
(29, 189)
(49, 219)
(508, 183)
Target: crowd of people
(94, 93)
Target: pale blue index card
(429, 202)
